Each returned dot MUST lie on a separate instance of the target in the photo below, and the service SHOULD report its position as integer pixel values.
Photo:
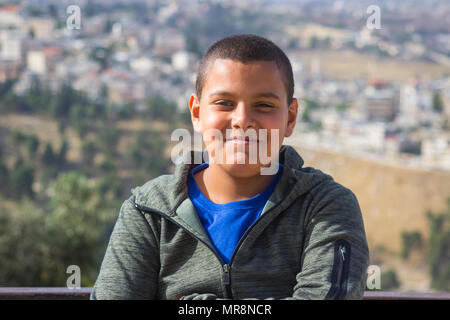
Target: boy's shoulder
(157, 181)
(157, 193)
(313, 180)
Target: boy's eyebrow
(262, 94)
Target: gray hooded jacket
(308, 243)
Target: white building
(380, 102)
(10, 17)
(10, 44)
(43, 29)
(436, 152)
(409, 109)
(36, 61)
(182, 60)
(142, 65)
(45, 60)
(168, 41)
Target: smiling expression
(240, 99)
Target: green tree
(112, 184)
(389, 280)
(88, 150)
(76, 226)
(6, 87)
(181, 119)
(37, 245)
(439, 248)
(107, 139)
(77, 117)
(32, 145)
(134, 154)
(161, 109)
(4, 177)
(24, 251)
(48, 157)
(148, 153)
(64, 100)
(107, 165)
(312, 104)
(308, 106)
(18, 137)
(126, 111)
(21, 180)
(62, 154)
(410, 240)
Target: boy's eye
(265, 106)
(224, 103)
(230, 104)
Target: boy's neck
(220, 187)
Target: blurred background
(89, 98)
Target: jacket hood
(167, 192)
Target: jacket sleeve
(130, 266)
(335, 254)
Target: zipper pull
(343, 251)
(226, 274)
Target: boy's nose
(242, 117)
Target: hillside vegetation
(400, 206)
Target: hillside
(392, 200)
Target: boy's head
(246, 48)
(244, 88)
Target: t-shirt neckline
(246, 203)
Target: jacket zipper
(225, 267)
(227, 280)
(341, 253)
(339, 275)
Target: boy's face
(237, 97)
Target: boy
(222, 229)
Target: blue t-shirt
(226, 223)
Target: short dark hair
(246, 48)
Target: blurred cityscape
(125, 53)
(96, 87)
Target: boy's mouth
(242, 140)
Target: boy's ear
(292, 117)
(194, 108)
